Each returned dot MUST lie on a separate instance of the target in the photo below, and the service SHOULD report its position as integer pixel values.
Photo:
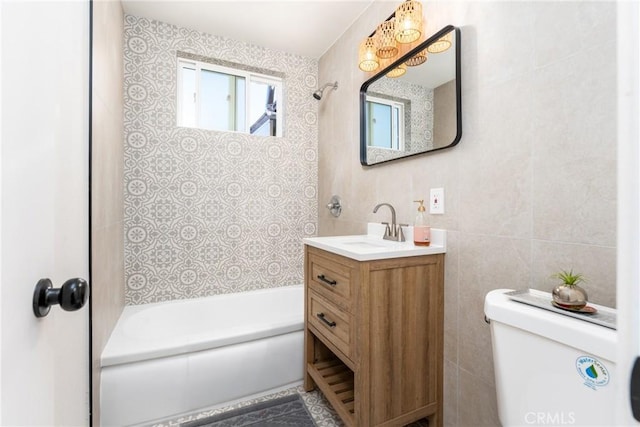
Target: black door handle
(71, 296)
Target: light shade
(408, 21)
(442, 44)
(367, 59)
(398, 71)
(417, 59)
(385, 40)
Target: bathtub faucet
(393, 232)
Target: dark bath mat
(284, 411)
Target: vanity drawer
(330, 321)
(332, 280)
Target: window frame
(249, 76)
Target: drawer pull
(327, 322)
(327, 281)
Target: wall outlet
(436, 201)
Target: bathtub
(167, 359)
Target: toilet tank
(550, 369)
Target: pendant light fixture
(397, 72)
(368, 61)
(417, 59)
(442, 44)
(385, 39)
(404, 26)
(408, 21)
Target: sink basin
(372, 246)
(366, 245)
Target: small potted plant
(568, 294)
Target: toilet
(550, 369)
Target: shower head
(318, 94)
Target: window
(221, 98)
(385, 123)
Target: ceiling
(304, 27)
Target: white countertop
(372, 246)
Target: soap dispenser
(421, 229)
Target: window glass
(220, 98)
(220, 102)
(187, 96)
(263, 109)
(385, 124)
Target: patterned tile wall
(210, 212)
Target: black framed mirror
(418, 112)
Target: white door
(44, 363)
(628, 292)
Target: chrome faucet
(393, 231)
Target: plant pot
(570, 296)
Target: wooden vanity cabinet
(374, 336)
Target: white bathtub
(166, 359)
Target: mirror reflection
(413, 105)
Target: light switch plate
(436, 201)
